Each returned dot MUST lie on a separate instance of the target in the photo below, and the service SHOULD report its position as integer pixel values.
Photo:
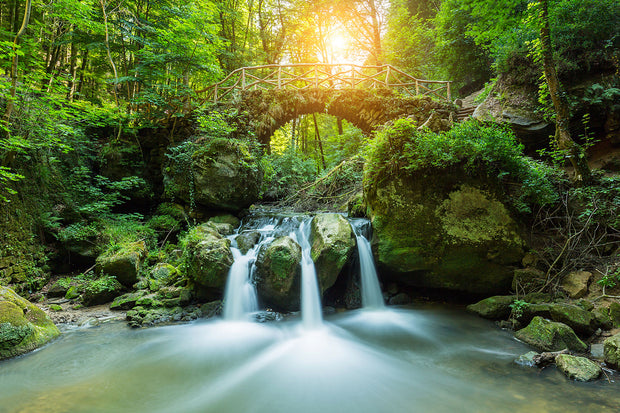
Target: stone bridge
(266, 98)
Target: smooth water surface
(429, 359)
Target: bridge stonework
(265, 111)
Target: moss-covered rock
(528, 279)
(333, 243)
(576, 283)
(101, 290)
(219, 174)
(23, 326)
(123, 262)
(578, 368)
(611, 349)
(247, 240)
(441, 229)
(545, 335)
(601, 314)
(278, 273)
(580, 320)
(232, 220)
(614, 313)
(126, 301)
(207, 257)
(493, 308)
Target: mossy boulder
(218, 174)
(578, 368)
(247, 240)
(164, 273)
(207, 257)
(576, 283)
(545, 335)
(493, 308)
(611, 349)
(126, 301)
(226, 219)
(333, 243)
(23, 326)
(123, 262)
(101, 291)
(580, 320)
(278, 274)
(442, 229)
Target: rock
(278, 274)
(533, 310)
(207, 256)
(123, 263)
(247, 240)
(333, 243)
(580, 320)
(547, 335)
(578, 368)
(601, 314)
(225, 175)
(232, 220)
(597, 351)
(60, 287)
(493, 308)
(126, 301)
(443, 230)
(400, 299)
(611, 351)
(146, 317)
(527, 279)
(576, 283)
(101, 291)
(73, 292)
(614, 313)
(527, 359)
(23, 326)
(211, 309)
(165, 273)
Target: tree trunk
(376, 33)
(317, 136)
(563, 138)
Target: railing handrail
(422, 86)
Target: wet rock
(545, 335)
(123, 263)
(247, 240)
(597, 351)
(493, 308)
(229, 219)
(126, 301)
(601, 314)
(400, 299)
(611, 350)
(207, 256)
(578, 368)
(527, 359)
(165, 274)
(533, 310)
(211, 309)
(580, 320)
(333, 243)
(23, 326)
(225, 175)
(278, 274)
(576, 283)
(147, 317)
(614, 313)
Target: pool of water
(425, 359)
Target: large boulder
(333, 243)
(207, 256)
(578, 368)
(545, 335)
(278, 274)
(580, 320)
(576, 283)
(443, 230)
(123, 262)
(218, 174)
(23, 326)
(611, 349)
(101, 290)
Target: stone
(580, 320)
(101, 291)
(611, 351)
(400, 299)
(493, 308)
(576, 283)
(601, 314)
(444, 231)
(527, 279)
(597, 351)
(224, 175)
(527, 359)
(545, 335)
(59, 288)
(578, 368)
(614, 313)
(532, 310)
(212, 309)
(232, 220)
(73, 292)
(207, 256)
(247, 240)
(123, 263)
(126, 301)
(333, 243)
(23, 326)
(278, 274)
(165, 273)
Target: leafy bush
(286, 173)
(478, 148)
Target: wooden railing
(324, 76)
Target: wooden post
(279, 77)
(316, 76)
(449, 92)
(243, 79)
(387, 76)
(417, 87)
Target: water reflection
(393, 360)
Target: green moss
(55, 307)
(550, 336)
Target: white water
(372, 297)
(311, 313)
(240, 296)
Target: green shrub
(491, 150)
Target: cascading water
(311, 314)
(240, 295)
(372, 297)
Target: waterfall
(372, 297)
(311, 313)
(240, 294)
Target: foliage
(517, 307)
(477, 148)
(285, 173)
